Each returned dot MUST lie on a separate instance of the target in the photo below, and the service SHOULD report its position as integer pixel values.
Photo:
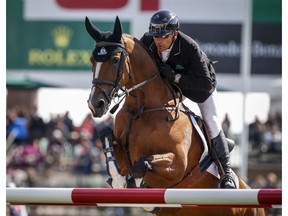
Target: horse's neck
(155, 93)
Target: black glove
(167, 72)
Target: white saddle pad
(213, 169)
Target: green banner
(267, 11)
(65, 45)
(51, 45)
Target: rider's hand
(167, 72)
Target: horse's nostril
(100, 104)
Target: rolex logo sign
(61, 36)
(60, 52)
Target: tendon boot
(221, 153)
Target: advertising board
(50, 35)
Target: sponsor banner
(51, 35)
(222, 43)
(137, 12)
(204, 10)
(266, 49)
(52, 45)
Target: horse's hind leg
(116, 180)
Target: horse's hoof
(130, 182)
(153, 210)
(109, 181)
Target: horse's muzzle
(98, 107)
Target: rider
(184, 63)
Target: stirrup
(227, 178)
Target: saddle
(201, 123)
(203, 127)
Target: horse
(154, 142)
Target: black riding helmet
(163, 23)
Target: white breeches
(209, 113)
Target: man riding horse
(183, 63)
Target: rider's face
(163, 43)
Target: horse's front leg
(116, 180)
(167, 167)
(140, 168)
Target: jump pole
(140, 197)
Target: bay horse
(154, 142)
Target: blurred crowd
(34, 146)
(32, 142)
(264, 137)
(267, 136)
(268, 181)
(58, 143)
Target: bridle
(116, 86)
(113, 93)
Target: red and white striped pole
(139, 197)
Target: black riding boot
(220, 146)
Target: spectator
(61, 128)
(259, 182)
(88, 125)
(272, 180)
(36, 126)
(226, 123)
(256, 133)
(272, 138)
(68, 121)
(82, 155)
(98, 157)
(18, 124)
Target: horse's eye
(115, 59)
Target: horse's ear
(117, 32)
(93, 31)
